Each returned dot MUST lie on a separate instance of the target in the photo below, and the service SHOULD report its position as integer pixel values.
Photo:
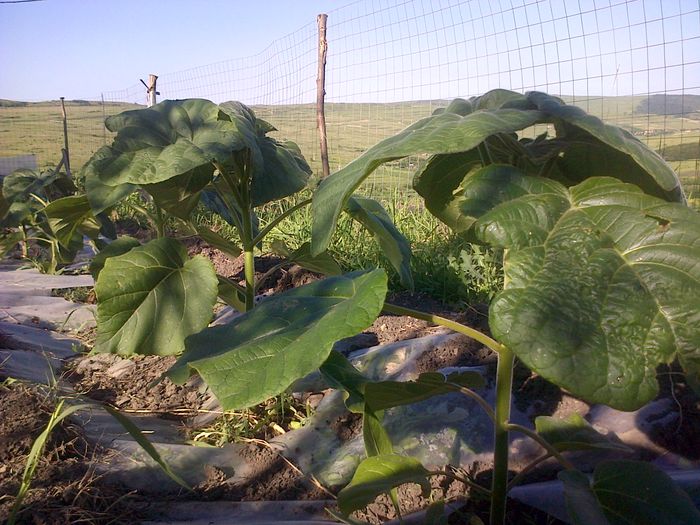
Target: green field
(353, 127)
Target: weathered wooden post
(65, 151)
(151, 91)
(321, 92)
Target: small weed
(276, 416)
(77, 294)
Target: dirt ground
(65, 488)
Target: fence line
(634, 63)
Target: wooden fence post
(321, 92)
(65, 150)
(151, 91)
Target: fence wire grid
(634, 63)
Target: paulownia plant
(602, 284)
(183, 153)
(45, 209)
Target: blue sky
(380, 50)
(79, 48)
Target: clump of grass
(76, 294)
(275, 416)
(444, 265)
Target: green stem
(499, 486)
(249, 263)
(267, 229)
(485, 154)
(143, 211)
(23, 244)
(447, 323)
(480, 400)
(160, 222)
(543, 443)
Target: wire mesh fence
(634, 63)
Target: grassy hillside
(352, 128)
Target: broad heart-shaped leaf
(23, 191)
(378, 475)
(602, 282)
(573, 433)
(151, 298)
(278, 169)
(372, 215)
(179, 195)
(439, 134)
(23, 182)
(8, 241)
(101, 195)
(640, 493)
(284, 172)
(438, 181)
(117, 247)
(71, 216)
(261, 353)
(655, 173)
(164, 141)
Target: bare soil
(65, 488)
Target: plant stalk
(447, 323)
(160, 222)
(499, 486)
(267, 229)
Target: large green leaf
(179, 195)
(372, 215)
(654, 174)
(600, 278)
(285, 337)
(164, 141)
(23, 182)
(8, 241)
(284, 172)
(438, 182)
(24, 191)
(117, 247)
(640, 493)
(151, 298)
(378, 475)
(70, 217)
(443, 133)
(101, 195)
(277, 169)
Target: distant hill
(679, 152)
(669, 104)
(5, 103)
